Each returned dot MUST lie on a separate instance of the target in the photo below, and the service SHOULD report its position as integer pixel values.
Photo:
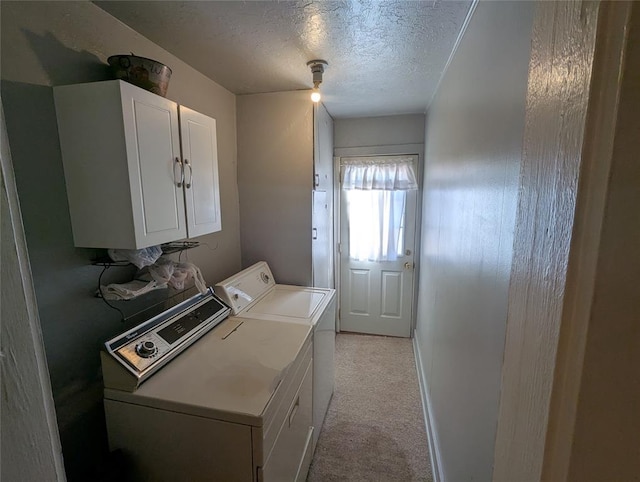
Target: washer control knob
(146, 349)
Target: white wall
(45, 44)
(275, 180)
(473, 151)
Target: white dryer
(253, 293)
(191, 396)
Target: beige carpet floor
(374, 429)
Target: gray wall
(275, 179)
(379, 131)
(55, 43)
(473, 152)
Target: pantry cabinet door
(200, 158)
(155, 173)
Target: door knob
(408, 265)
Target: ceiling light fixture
(317, 69)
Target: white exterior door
(200, 158)
(376, 294)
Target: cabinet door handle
(314, 233)
(190, 183)
(181, 181)
(316, 180)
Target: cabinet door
(320, 242)
(323, 246)
(153, 151)
(322, 149)
(200, 158)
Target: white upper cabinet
(127, 179)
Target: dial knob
(146, 349)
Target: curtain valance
(378, 174)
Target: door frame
(371, 151)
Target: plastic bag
(177, 275)
(139, 257)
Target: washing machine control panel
(145, 348)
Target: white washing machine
(192, 395)
(253, 293)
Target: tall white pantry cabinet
(140, 170)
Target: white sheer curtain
(376, 193)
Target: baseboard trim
(434, 446)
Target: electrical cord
(104, 299)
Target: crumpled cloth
(129, 291)
(177, 275)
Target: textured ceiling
(385, 57)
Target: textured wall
(562, 45)
(473, 151)
(275, 179)
(30, 442)
(55, 43)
